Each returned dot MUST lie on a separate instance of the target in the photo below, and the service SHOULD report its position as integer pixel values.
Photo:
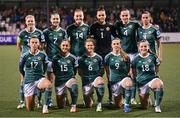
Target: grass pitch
(9, 84)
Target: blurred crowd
(12, 19)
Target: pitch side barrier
(170, 37)
(166, 38)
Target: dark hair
(33, 37)
(101, 8)
(55, 13)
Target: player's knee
(127, 83)
(157, 84)
(98, 81)
(71, 82)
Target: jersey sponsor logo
(107, 28)
(60, 34)
(101, 29)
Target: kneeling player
(33, 66)
(91, 72)
(145, 68)
(117, 66)
(64, 68)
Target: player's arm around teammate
(64, 68)
(33, 67)
(145, 68)
(119, 64)
(91, 71)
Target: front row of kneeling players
(90, 67)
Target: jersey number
(90, 67)
(102, 35)
(79, 35)
(55, 40)
(34, 64)
(117, 65)
(64, 68)
(145, 68)
(125, 33)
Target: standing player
(33, 67)
(127, 32)
(53, 36)
(151, 33)
(102, 32)
(23, 46)
(78, 32)
(91, 71)
(119, 65)
(64, 68)
(145, 69)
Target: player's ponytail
(122, 52)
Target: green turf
(9, 81)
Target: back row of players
(90, 50)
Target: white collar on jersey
(30, 32)
(92, 55)
(115, 54)
(126, 23)
(80, 24)
(35, 53)
(143, 56)
(56, 29)
(147, 27)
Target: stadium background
(165, 13)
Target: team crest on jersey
(39, 58)
(130, 26)
(94, 60)
(68, 61)
(107, 28)
(83, 29)
(59, 61)
(149, 32)
(149, 60)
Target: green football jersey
(53, 39)
(63, 68)
(151, 34)
(90, 67)
(78, 35)
(128, 35)
(24, 37)
(118, 67)
(33, 66)
(145, 68)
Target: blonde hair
(122, 52)
(90, 39)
